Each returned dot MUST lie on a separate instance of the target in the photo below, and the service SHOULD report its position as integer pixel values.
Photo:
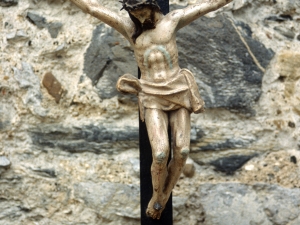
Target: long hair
(139, 27)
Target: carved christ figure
(167, 94)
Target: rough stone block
(226, 73)
(8, 3)
(41, 22)
(230, 203)
(88, 138)
(113, 198)
(4, 162)
(232, 163)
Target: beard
(148, 24)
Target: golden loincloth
(179, 92)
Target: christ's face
(142, 14)
(145, 15)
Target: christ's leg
(157, 127)
(181, 128)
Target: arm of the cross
(111, 18)
(192, 12)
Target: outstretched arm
(121, 24)
(193, 12)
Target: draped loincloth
(178, 92)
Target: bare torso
(155, 49)
(156, 52)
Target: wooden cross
(145, 165)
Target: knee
(160, 157)
(184, 153)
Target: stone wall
(69, 140)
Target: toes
(148, 213)
(153, 214)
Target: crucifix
(146, 190)
(167, 94)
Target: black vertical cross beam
(145, 166)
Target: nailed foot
(154, 210)
(157, 206)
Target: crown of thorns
(129, 5)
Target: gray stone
(21, 34)
(6, 113)
(240, 4)
(233, 203)
(37, 20)
(232, 163)
(4, 162)
(11, 35)
(279, 18)
(110, 198)
(3, 124)
(196, 134)
(135, 163)
(225, 72)
(285, 32)
(49, 173)
(98, 55)
(287, 7)
(16, 36)
(28, 80)
(54, 29)
(226, 144)
(26, 77)
(112, 139)
(41, 22)
(88, 138)
(106, 59)
(280, 204)
(8, 3)
(11, 212)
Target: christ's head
(142, 13)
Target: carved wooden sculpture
(167, 94)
